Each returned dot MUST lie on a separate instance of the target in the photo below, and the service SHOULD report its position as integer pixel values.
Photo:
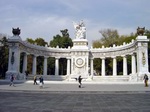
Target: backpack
(12, 77)
(146, 77)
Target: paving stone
(26, 97)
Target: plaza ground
(59, 96)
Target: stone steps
(111, 78)
(48, 77)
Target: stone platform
(73, 86)
(58, 96)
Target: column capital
(113, 57)
(91, 58)
(123, 55)
(35, 55)
(57, 57)
(68, 57)
(25, 53)
(46, 56)
(132, 54)
(102, 57)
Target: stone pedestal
(14, 58)
(142, 57)
(79, 59)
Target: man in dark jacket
(79, 80)
(146, 80)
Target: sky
(45, 18)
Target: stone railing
(125, 49)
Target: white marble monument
(80, 52)
(80, 58)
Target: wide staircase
(48, 77)
(111, 78)
(93, 79)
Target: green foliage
(30, 40)
(110, 37)
(62, 42)
(58, 40)
(40, 41)
(97, 44)
(51, 66)
(30, 63)
(97, 65)
(3, 57)
(147, 33)
(40, 61)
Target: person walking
(146, 80)
(41, 82)
(26, 74)
(35, 78)
(79, 80)
(12, 78)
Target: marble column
(133, 64)
(124, 65)
(45, 65)
(68, 66)
(24, 63)
(9, 60)
(14, 60)
(103, 67)
(91, 67)
(34, 65)
(114, 66)
(56, 66)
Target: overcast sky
(45, 18)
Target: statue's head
(16, 31)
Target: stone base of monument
(137, 78)
(48, 77)
(80, 44)
(110, 78)
(18, 76)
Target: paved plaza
(67, 97)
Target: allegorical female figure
(80, 30)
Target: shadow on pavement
(7, 82)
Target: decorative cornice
(125, 49)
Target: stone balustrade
(79, 55)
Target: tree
(30, 40)
(63, 41)
(110, 37)
(41, 42)
(3, 56)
